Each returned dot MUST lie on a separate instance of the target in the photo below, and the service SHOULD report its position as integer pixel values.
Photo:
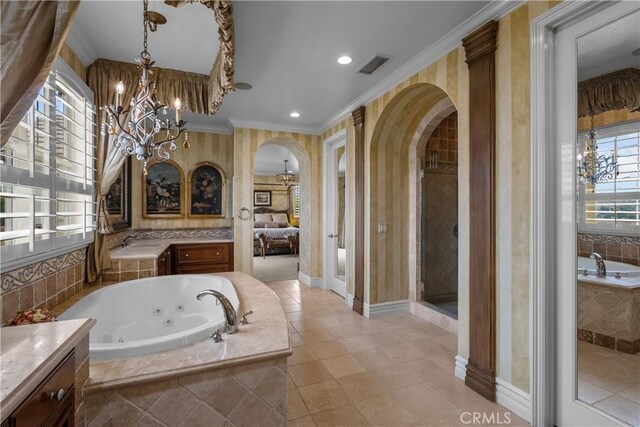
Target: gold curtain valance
(613, 91)
(191, 88)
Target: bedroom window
(614, 204)
(295, 195)
(47, 174)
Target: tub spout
(229, 312)
(601, 269)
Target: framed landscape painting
(162, 191)
(261, 198)
(206, 191)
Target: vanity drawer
(201, 269)
(38, 409)
(206, 253)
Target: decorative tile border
(31, 273)
(116, 239)
(608, 238)
(607, 341)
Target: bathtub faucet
(601, 269)
(229, 312)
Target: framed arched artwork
(206, 191)
(162, 191)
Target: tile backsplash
(611, 247)
(43, 284)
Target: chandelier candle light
(145, 133)
(594, 168)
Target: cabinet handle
(217, 253)
(186, 255)
(56, 395)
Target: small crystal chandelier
(286, 178)
(145, 134)
(594, 168)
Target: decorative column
(480, 47)
(358, 125)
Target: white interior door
(570, 410)
(335, 214)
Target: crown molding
(494, 10)
(79, 45)
(278, 127)
(206, 128)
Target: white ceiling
(269, 161)
(609, 48)
(286, 50)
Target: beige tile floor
(610, 380)
(347, 370)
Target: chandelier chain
(145, 26)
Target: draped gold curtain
(613, 91)
(32, 35)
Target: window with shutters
(47, 173)
(614, 204)
(295, 192)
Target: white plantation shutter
(615, 204)
(47, 173)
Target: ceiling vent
(373, 64)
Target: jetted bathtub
(614, 268)
(150, 315)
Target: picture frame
(118, 199)
(163, 191)
(261, 198)
(206, 191)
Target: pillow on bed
(258, 224)
(280, 217)
(272, 225)
(264, 217)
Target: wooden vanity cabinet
(164, 263)
(202, 258)
(52, 403)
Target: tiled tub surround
(609, 313)
(140, 258)
(23, 369)
(42, 284)
(241, 380)
(611, 247)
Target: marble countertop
(623, 282)
(153, 248)
(30, 352)
(265, 337)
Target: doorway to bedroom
(276, 212)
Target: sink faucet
(229, 312)
(601, 269)
(127, 240)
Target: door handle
(333, 235)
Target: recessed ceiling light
(243, 86)
(344, 60)
(295, 115)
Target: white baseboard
(461, 367)
(312, 282)
(514, 399)
(385, 308)
(349, 300)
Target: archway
(304, 162)
(394, 188)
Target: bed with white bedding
(273, 234)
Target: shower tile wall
(613, 248)
(440, 214)
(42, 284)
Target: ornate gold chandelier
(286, 178)
(145, 133)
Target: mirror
(341, 253)
(608, 220)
